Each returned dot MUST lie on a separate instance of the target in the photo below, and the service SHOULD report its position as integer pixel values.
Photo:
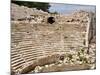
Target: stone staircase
(30, 42)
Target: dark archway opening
(51, 20)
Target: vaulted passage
(51, 20)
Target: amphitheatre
(39, 46)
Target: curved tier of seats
(34, 45)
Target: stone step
(17, 67)
(34, 50)
(30, 59)
(14, 53)
(25, 49)
(27, 54)
(24, 45)
(13, 49)
(18, 63)
(14, 56)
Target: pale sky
(68, 8)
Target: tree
(54, 12)
(38, 5)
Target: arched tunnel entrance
(50, 20)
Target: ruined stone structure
(34, 42)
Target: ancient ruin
(37, 45)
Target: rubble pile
(80, 58)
